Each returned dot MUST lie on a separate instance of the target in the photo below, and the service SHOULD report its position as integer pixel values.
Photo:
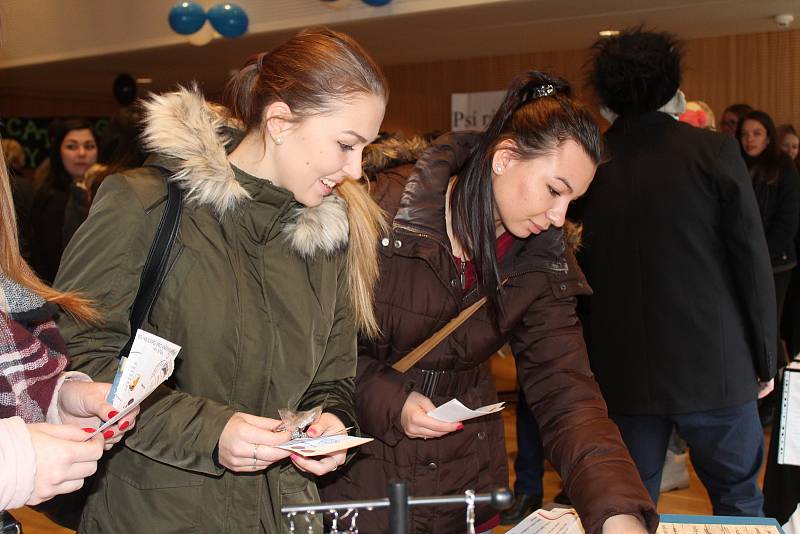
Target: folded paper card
(323, 444)
(149, 363)
(453, 411)
(555, 521)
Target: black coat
(779, 204)
(683, 313)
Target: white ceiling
(79, 46)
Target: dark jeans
(726, 447)
(529, 464)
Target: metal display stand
(398, 503)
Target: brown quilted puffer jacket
(418, 292)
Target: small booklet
(150, 362)
(322, 445)
(453, 411)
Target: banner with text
(473, 111)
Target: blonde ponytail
(367, 224)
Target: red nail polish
(312, 432)
(88, 430)
(124, 425)
(460, 426)
(112, 413)
(108, 434)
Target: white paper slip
(149, 363)
(789, 435)
(323, 444)
(453, 411)
(556, 521)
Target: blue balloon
(186, 17)
(376, 3)
(229, 20)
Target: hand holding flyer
(149, 363)
(453, 411)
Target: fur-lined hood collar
(191, 137)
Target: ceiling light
(608, 33)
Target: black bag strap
(157, 263)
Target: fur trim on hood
(183, 127)
(392, 152)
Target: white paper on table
(150, 362)
(789, 430)
(323, 444)
(453, 411)
(556, 521)
(706, 528)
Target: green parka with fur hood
(256, 296)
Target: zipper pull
(462, 266)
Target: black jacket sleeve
(746, 247)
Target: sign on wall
(473, 111)
(33, 136)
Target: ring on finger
(255, 459)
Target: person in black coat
(681, 326)
(73, 149)
(777, 189)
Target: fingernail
(312, 432)
(124, 425)
(294, 457)
(112, 413)
(88, 430)
(460, 426)
(108, 434)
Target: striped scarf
(32, 353)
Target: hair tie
(536, 92)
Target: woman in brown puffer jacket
(495, 229)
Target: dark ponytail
(537, 114)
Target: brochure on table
(566, 521)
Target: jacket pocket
(142, 473)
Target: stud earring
(279, 140)
(498, 169)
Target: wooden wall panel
(760, 69)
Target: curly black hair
(636, 71)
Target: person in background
(699, 114)
(73, 149)
(681, 325)
(789, 142)
(479, 209)
(22, 191)
(731, 117)
(777, 188)
(45, 412)
(119, 150)
(273, 275)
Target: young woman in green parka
(270, 279)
